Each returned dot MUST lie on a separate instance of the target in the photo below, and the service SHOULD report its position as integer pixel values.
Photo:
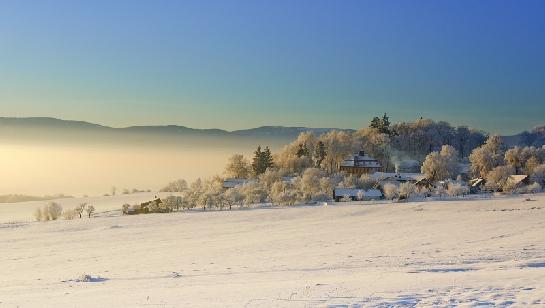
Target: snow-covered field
(441, 253)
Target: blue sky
(240, 64)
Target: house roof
(516, 178)
(353, 192)
(402, 177)
(359, 160)
(476, 182)
(232, 183)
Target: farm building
(359, 164)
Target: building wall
(359, 170)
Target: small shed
(477, 185)
(519, 180)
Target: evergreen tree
(303, 150)
(262, 160)
(383, 125)
(319, 153)
(256, 161)
(267, 159)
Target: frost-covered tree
(487, 157)
(441, 165)
(54, 210)
(234, 196)
(538, 175)
(497, 179)
(319, 154)
(391, 191)
(338, 144)
(269, 177)
(254, 193)
(238, 167)
(310, 183)
(283, 193)
(175, 186)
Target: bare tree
(80, 209)
(90, 210)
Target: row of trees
(385, 142)
(306, 169)
(494, 162)
(54, 211)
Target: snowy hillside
(444, 253)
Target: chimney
(362, 153)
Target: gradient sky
(241, 64)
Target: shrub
(538, 175)
(125, 208)
(54, 210)
(439, 191)
(391, 191)
(170, 203)
(533, 188)
(406, 190)
(457, 189)
(69, 214)
(38, 214)
(346, 198)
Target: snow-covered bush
(457, 189)
(360, 195)
(170, 204)
(439, 191)
(391, 191)
(38, 214)
(533, 188)
(125, 208)
(406, 190)
(69, 214)
(345, 198)
(54, 210)
(538, 175)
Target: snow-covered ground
(442, 253)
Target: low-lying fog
(75, 169)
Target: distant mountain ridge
(36, 127)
